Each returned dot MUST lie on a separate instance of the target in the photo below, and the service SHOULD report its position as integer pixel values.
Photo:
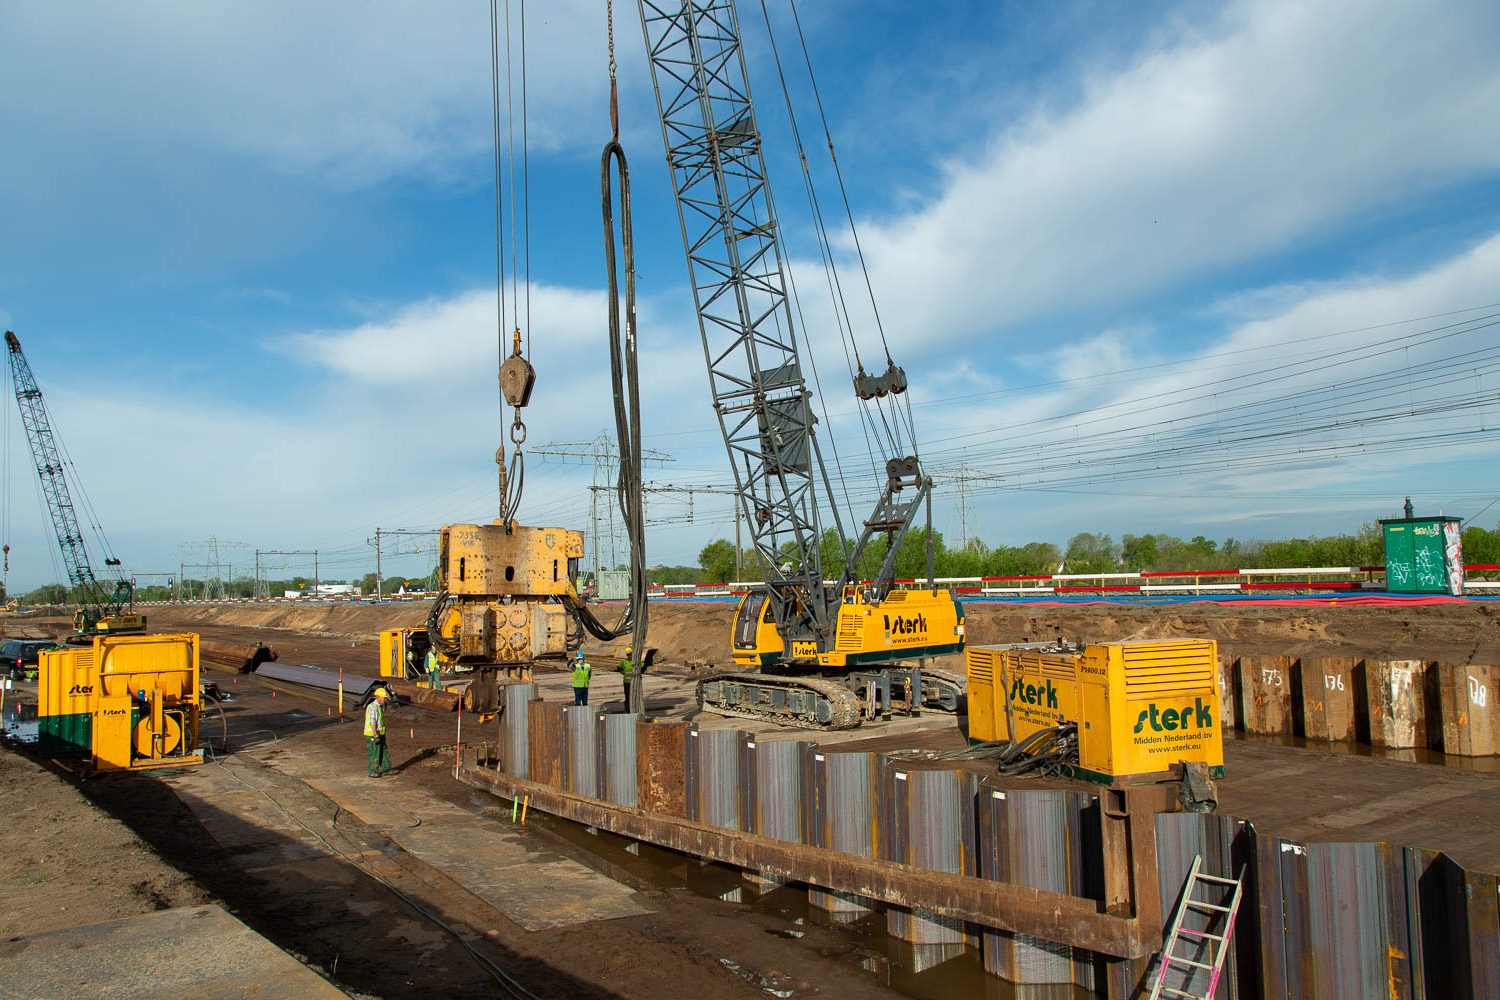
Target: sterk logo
(1196, 716)
(1042, 696)
(905, 626)
(81, 689)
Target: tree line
(1092, 552)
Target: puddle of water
(18, 722)
(923, 972)
(1488, 765)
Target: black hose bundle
(1051, 751)
(444, 645)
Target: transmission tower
(605, 455)
(217, 556)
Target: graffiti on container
(1400, 574)
(1429, 571)
(1333, 682)
(1478, 694)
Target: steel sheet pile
(1323, 920)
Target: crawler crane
(820, 640)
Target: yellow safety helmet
(382, 693)
(627, 649)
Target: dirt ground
(697, 632)
(67, 862)
(330, 907)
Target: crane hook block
(516, 380)
(893, 382)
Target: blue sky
(249, 251)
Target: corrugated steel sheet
(1358, 938)
(617, 769)
(583, 749)
(843, 802)
(932, 822)
(778, 770)
(1033, 838)
(1224, 844)
(549, 743)
(714, 777)
(514, 738)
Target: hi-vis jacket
(582, 671)
(374, 719)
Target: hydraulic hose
(625, 375)
(444, 645)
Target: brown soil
(67, 863)
(342, 921)
(698, 632)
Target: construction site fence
(1318, 920)
(1480, 579)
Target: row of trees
(1088, 552)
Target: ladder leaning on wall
(1198, 939)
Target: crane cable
(511, 473)
(625, 375)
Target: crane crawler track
(800, 702)
(943, 690)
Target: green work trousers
(377, 757)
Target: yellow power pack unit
(121, 702)
(403, 654)
(1140, 707)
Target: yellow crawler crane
(825, 649)
(121, 702)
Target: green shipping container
(1424, 555)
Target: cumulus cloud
(1278, 373)
(1266, 131)
(355, 93)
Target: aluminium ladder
(1204, 959)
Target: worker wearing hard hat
(583, 672)
(434, 671)
(627, 674)
(377, 757)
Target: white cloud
(397, 427)
(443, 337)
(1285, 122)
(354, 93)
(1030, 435)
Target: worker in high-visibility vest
(583, 672)
(377, 757)
(434, 671)
(627, 674)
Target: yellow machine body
(403, 653)
(1141, 707)
(124, 623)
(502, 583)
(127, 702)
(908, 624)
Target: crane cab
(906, 625)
